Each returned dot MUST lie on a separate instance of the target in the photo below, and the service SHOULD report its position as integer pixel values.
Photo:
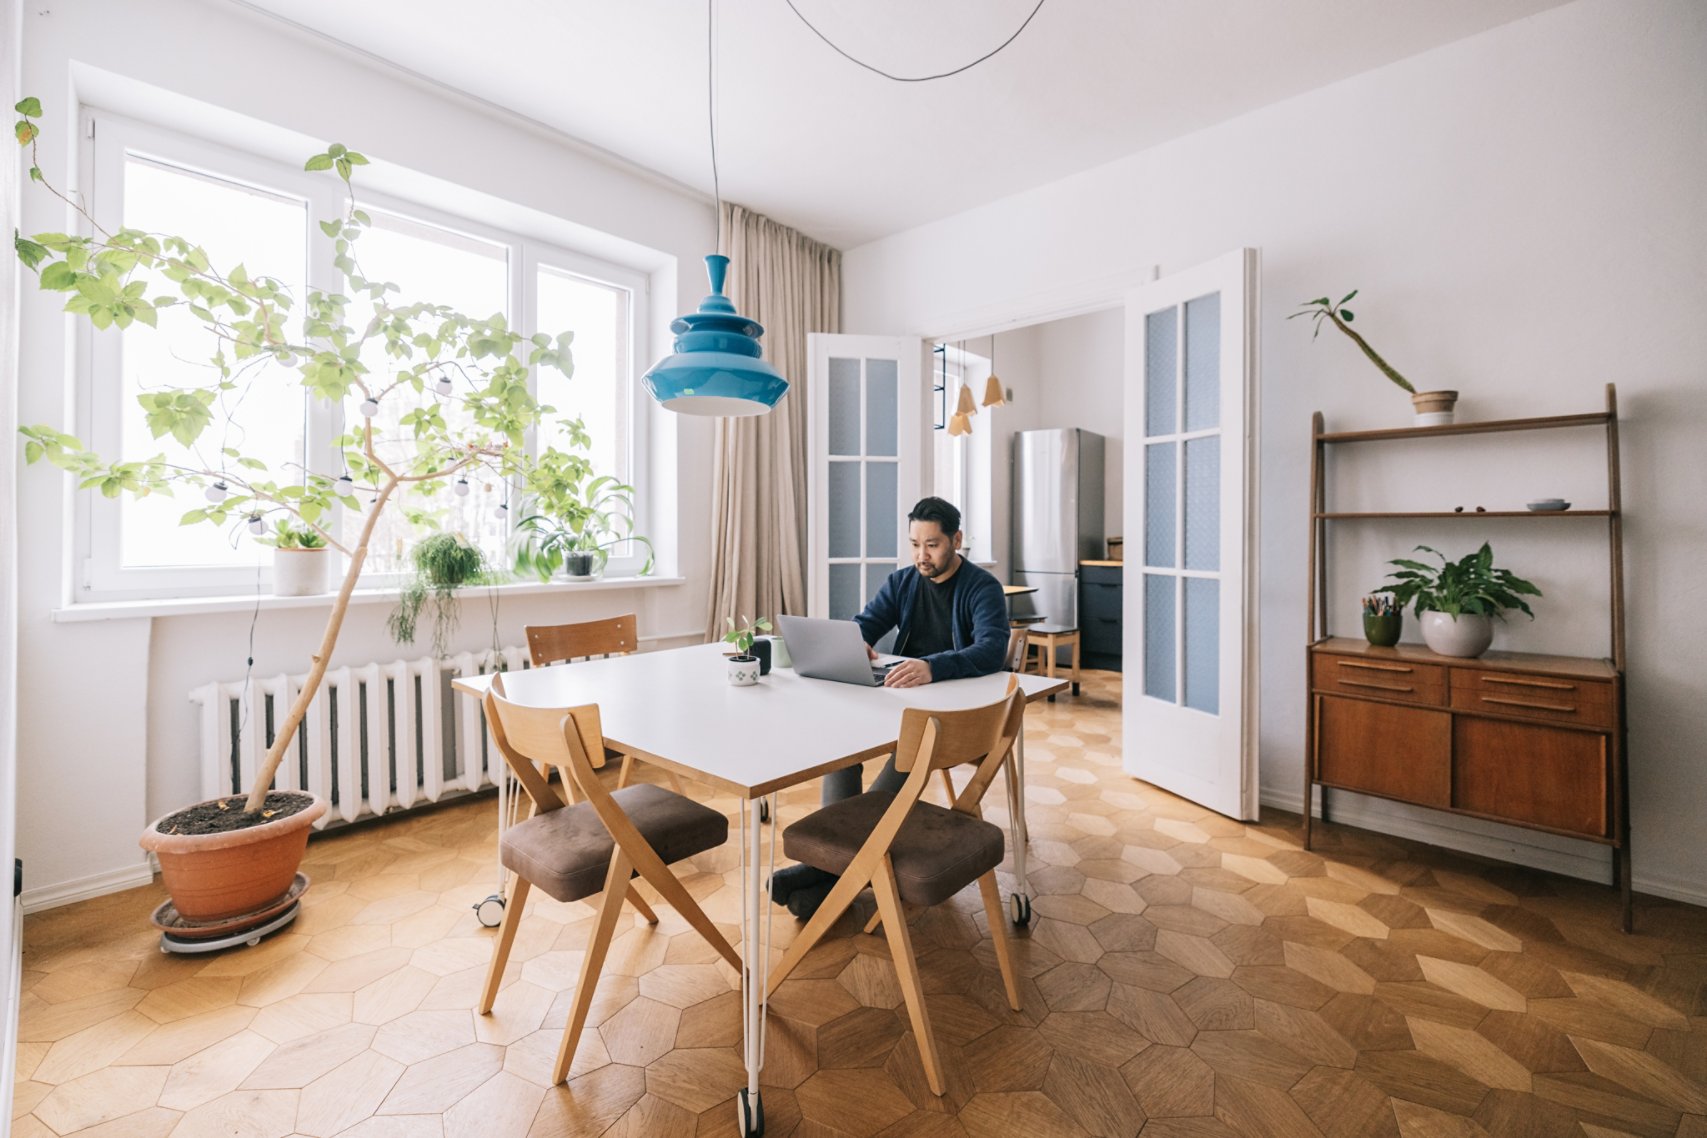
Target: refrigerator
(1057, 519)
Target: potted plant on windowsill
(1457, 601)
(1430, 408)
(575, 517)
(428, 355)
(444, 563)
(301, 558)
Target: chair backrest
(551, 643)
(962, 736)
(1016, 650)
(529, 735)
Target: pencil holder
(1383, 631)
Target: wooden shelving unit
(1524, 739)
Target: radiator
(378, 738)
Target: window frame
(109, 139)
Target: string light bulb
(370, 407)
(443, 385)
(461, 487)
(256, 525)
(216, 493)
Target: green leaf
(29, 106)
(318, 162)
(1345, 314)
(332, 228)
(35, 174)
(33, 452)
(26, 132)
(1346, 297)
(336, 150)
(29, 252)
(58, 276)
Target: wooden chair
(1048, 637)
(915, 852)
(571, 852)
(584, 640)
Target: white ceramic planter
(743, 671)
(300, 572)
(1457, 636)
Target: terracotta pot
(1433, 408)
(214, 876)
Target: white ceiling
(846, 156)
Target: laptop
(832, 650)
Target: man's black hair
(938, 511)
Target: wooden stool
(1048, 637)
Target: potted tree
(1457, 601)
(1431, 408)
(213, 854)
(575, 517)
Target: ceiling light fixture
(994, 396)
(716, 368)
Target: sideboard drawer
(1560, 699)
(1404, 681)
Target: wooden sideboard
(1523, 739)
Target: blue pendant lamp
(716, 369)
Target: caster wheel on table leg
(490, 912)
(1075, 691)
(764, 810)
(1019, 906)
(750, 1118)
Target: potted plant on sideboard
(1430, 408)
(1457, 601)
(436, 360)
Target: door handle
(1379, 687)
(1568, 708)
(1517, 683)
(1374, 667)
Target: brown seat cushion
(937, 852)
(567, 852)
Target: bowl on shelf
(1541, 505)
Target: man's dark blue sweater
(978, 622)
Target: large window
(262, 215)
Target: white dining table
(677, 710)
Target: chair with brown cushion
(574, 851)
(914, 852)
(585, 640)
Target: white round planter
(1457, 636)
(743, 671)
(300, 572)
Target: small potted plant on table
(745, 666)
(1457, 601)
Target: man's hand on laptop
(907, 674)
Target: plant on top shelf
(444, 563)
(463, 381)
(1457, 601)
(574, 517)
(1432, 408)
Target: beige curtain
(792, 285)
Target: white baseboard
(1586, 861)
(83, 888)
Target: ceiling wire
(917, 78)
(711, 101)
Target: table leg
(756, 958)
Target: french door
(865, 410)
(1190, 635)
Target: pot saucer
(167, 920)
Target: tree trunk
(311, 686)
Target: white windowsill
(196, 606)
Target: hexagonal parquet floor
(1186, 977)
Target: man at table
(951, 620)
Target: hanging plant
(443, 564)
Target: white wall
(106, 734)
(11, 18)
(1522, 213)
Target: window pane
(881, 407)
(1159, 495)
(875, 575)
(599, 316)
(882, 514)
(438, 266)
(1161, 353)
(267, 234)
(845, 601)
(843, 506)
(1203, 503)
(1159, 653)
(1203, 362)
(1203, 644)
(844, 406)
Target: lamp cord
(711, 103)
(914, 78)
